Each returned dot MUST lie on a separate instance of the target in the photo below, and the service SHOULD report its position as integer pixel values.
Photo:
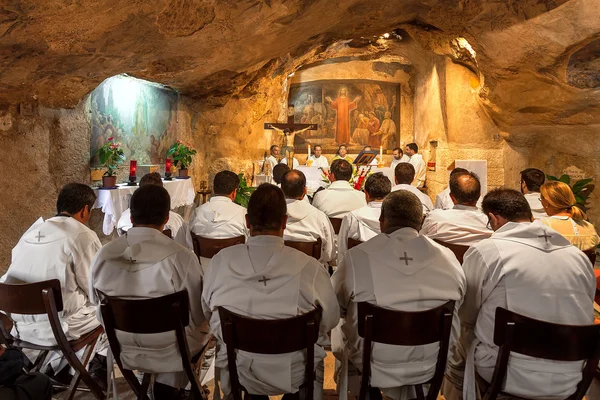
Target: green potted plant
(244, 192)
(111, 156)
(182, 156)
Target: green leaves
(182, 154)
(110, 156)
(243, 192)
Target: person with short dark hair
(342, 154)
(318, 159)
(399, 157)
(530, 269)
(398, 269)
(176, 225)
(464, 224)
(266, 279)
(363, 224)
(278, 172)
(416, 159)
(443, 199)
(340, 197)
(221, 218)
(404, 174)
(532, 180)
(306, 223)
(144, 264)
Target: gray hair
(402, 209)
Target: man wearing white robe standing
(464, 224)
(340, 197)
(529, 269)
(398, 269)
(144, 264)
(180, 230)
(272, 159)
(305, 223)
(404, 174)
(363, 224)
(265, 279)
(319, 160)
(443, 200)
(531, 181)
(399, 157)
(416, 159)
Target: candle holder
(132, 173)
(168, 170)
(132, 181)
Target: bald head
(293, 184)
(465, 188)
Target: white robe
(403, 159)
(536, 205)
(361, 224)
(339, 199)
(375, 272)
(443, 200)
(307, 224)
(273, 161)
(420, 170)
(462, 225)
(59, 248)
(160, 267)
(543, 278)
(234, 280)
(295, 163)
(220, 218)
(179, 228)
(321, 162)
(425, 200)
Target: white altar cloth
(114, 201)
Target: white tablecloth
(113, 202)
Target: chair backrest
(168, 233)
(337, 224)
(458, 250)
(405, 328)
(312, 249)
(205, 247)
(591, 254)
(531, 337)
(27, 298)
(353, 242)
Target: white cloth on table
(250, 280)
(425, 200)
(179, 228)
(339, 199)
(361, 224)
(420, 170)
(320, 162)
(535, 204)
(401, 271)
(462, 225)
(160, 267)
(532, 270)
(295, 163)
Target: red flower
(110, 139)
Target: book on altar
(365, 157)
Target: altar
(113, 202)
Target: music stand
(365, 157)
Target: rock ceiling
(538, 60)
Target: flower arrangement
(358, 179)
(182, 154)
(110, 156)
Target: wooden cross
(406, 259)
(264, 280)
(293, 127)
(40, 236)
(545, 236)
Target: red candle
(132, 168)
(168, 164)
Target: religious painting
(140, 115)
(351, 112)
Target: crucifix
(289, 131)
(406, 258)
(264, 280)
(545, 236)
(40, 236)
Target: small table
(204, 193)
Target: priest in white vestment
(221, 218)
(532, 270)
(464, 224)
(272, 159)
(143, 264)
(363, 224)
(416, 159)
(404, 174)
(62, 247)
(295, 163)
(305, 223)
(340, 197)
(531, 181)
(399, 157)
(264, 279)
(180, 231)
(319, 160)
(402, 270)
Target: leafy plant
(182, 154)
(243, 192)
(582, 189)
(110, 156)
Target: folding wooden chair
(403, 328)
(138, 316)
(458, 250)
(337, 224)
(353, 242)
(168, 233)
(205, 247)
(311, 249)
(531, 337)
(46, 298)
(271, 336)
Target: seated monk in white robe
(464, 224)
(340, 197)
(363, 224)
(305, 223)
(532, 180)
(398, 269)
(180, 232)
(264, 279)
(147, 264)
(532, 270)
(404, 174)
